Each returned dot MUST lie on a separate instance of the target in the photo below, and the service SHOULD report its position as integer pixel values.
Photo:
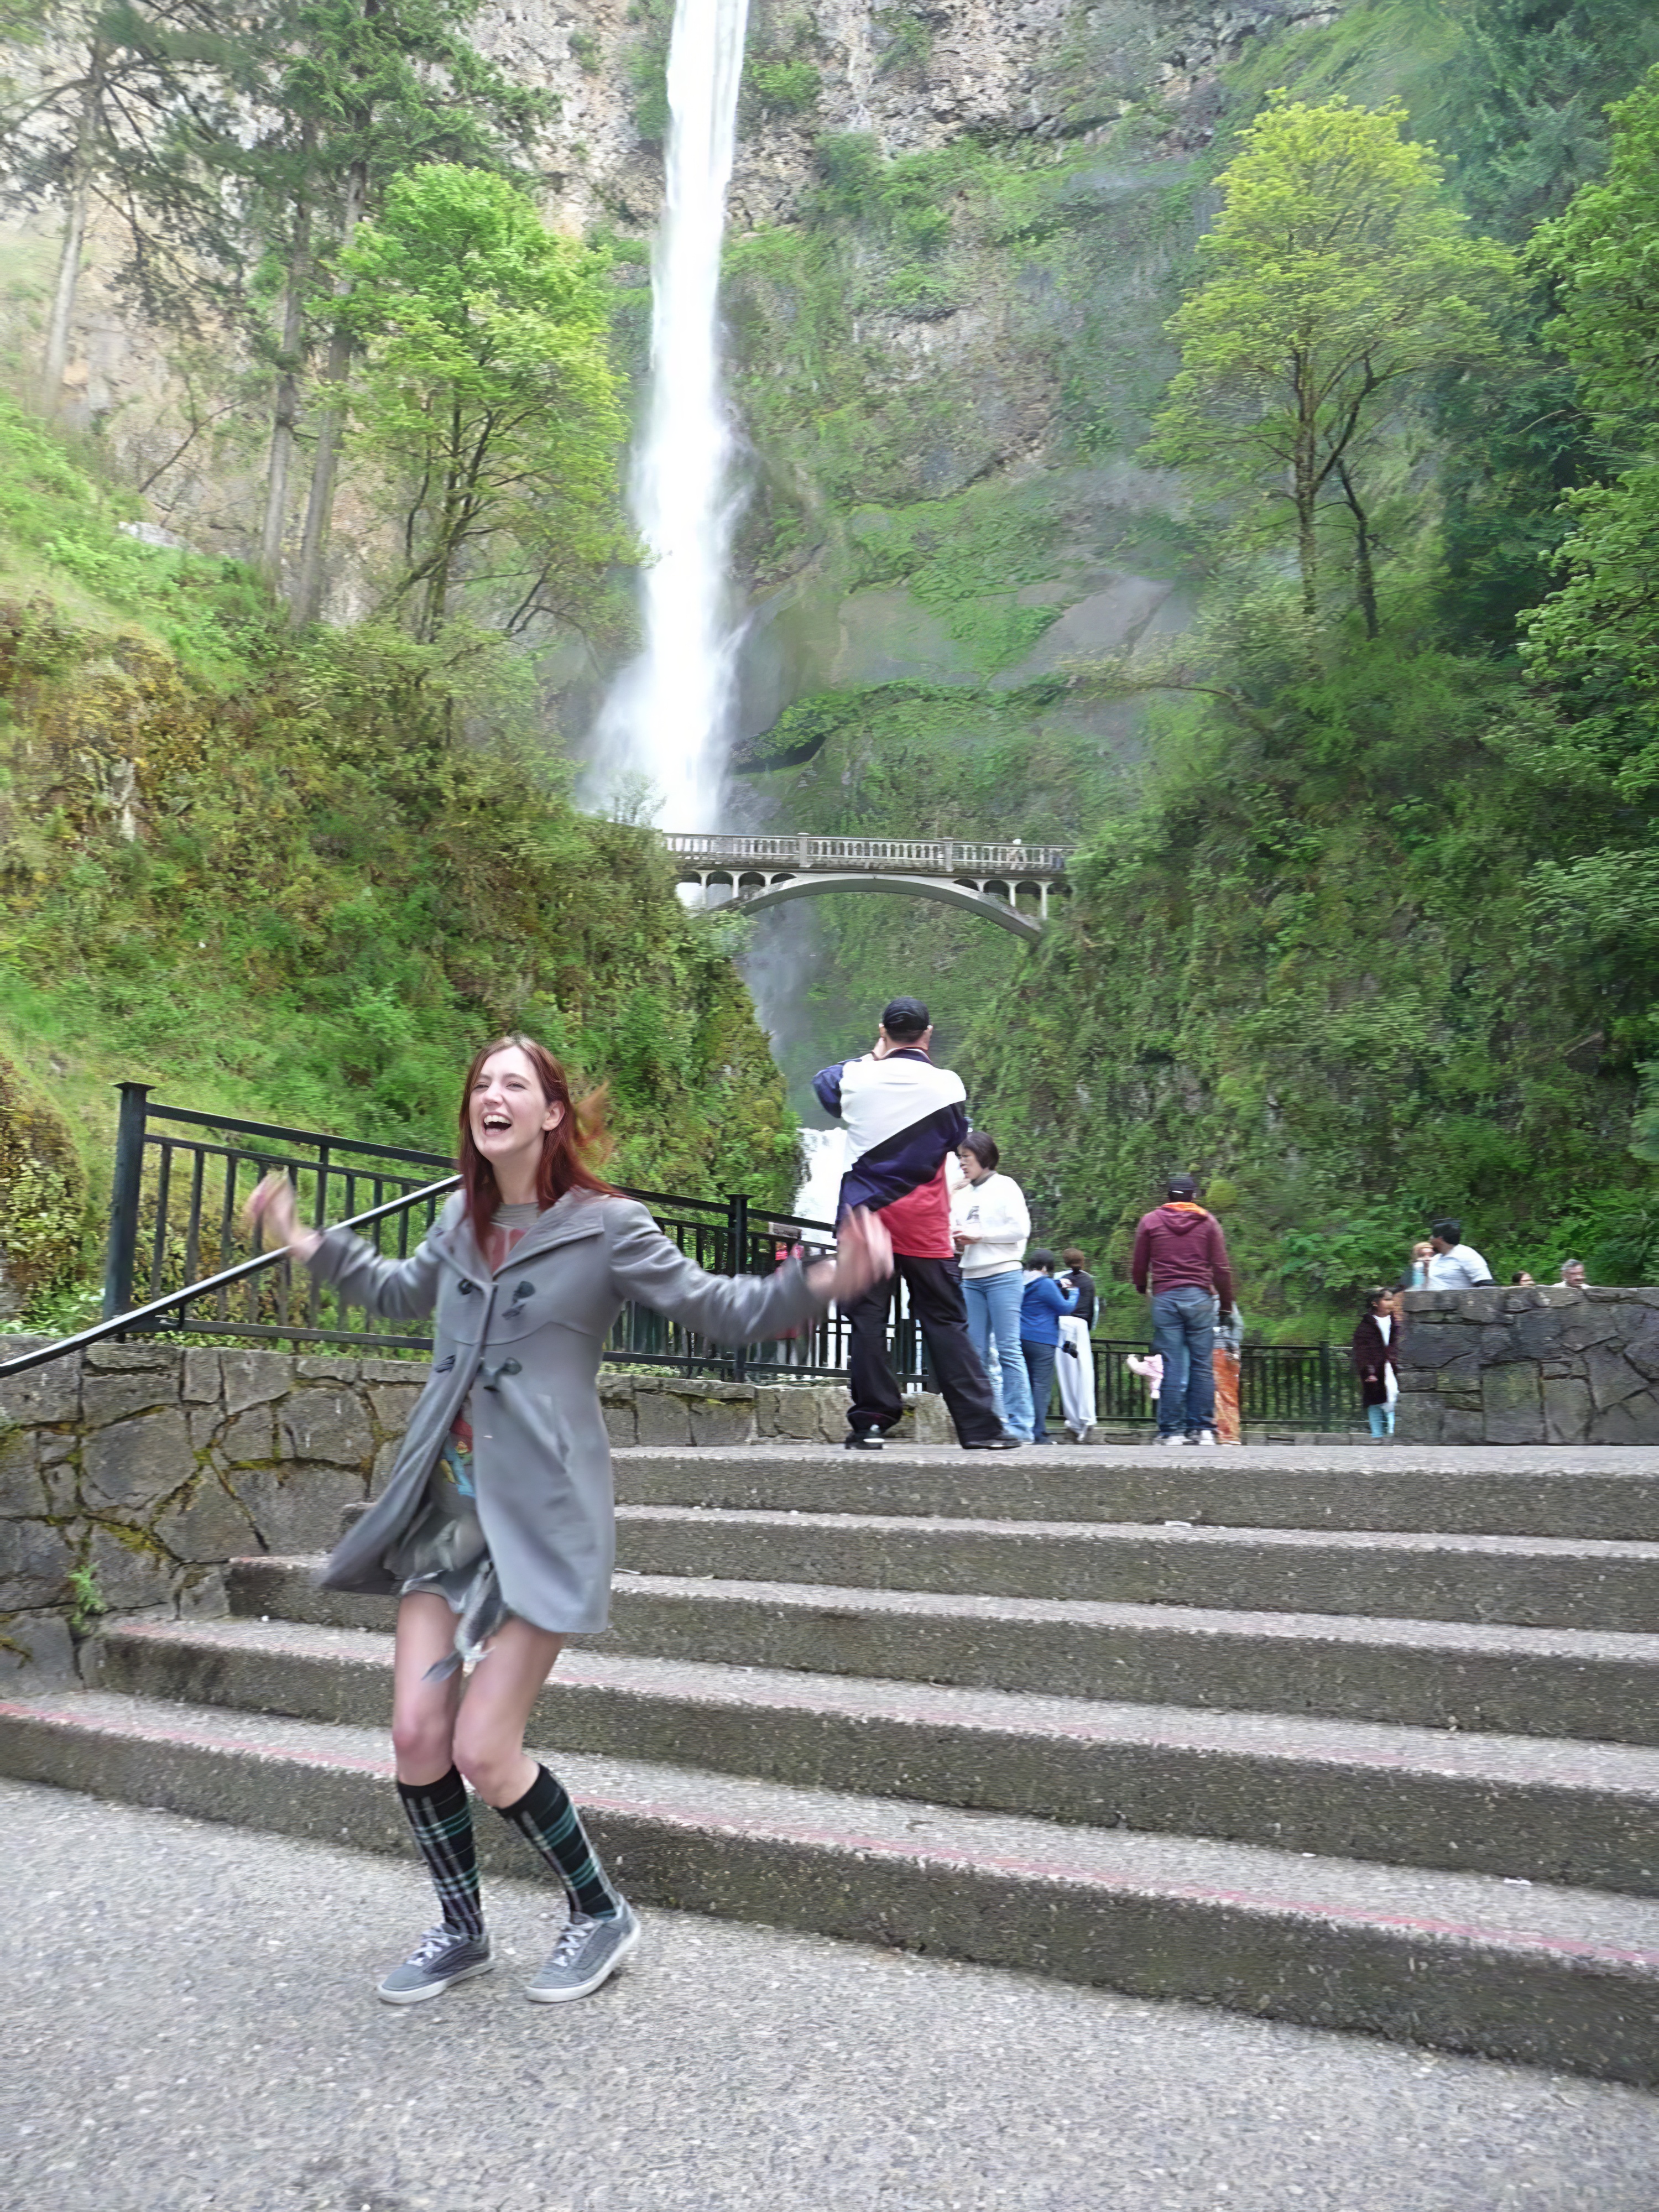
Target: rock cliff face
(913, 76)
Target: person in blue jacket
(1040, 1310)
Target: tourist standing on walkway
(1042, 1304)
(1076, 1365)
(496, 1528)
(1375, 1354)
(1454, 1265)
(1573, 1276)
(903, 1118)
(990, 1223)
(1417, 1276)
(1181, 1256)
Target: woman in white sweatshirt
(989, 1225)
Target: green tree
(1592, 648)
(486, 393)
(364, 90)
(1338, 278)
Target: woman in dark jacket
(1376, 1358)
(496, 1527)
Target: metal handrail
(121, 1322)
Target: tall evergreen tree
(110, 108)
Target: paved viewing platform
(189, 2027)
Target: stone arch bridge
(1011, 885)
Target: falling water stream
(666, 723)
(664, 732)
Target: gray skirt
(444, 1550)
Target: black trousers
(935, 1288)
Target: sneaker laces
(434, 1944)
(574, 1934)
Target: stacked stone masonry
(1530, 1366)
(130, 1473)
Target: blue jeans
(1040, 1374)
(994, 1304)
(1184, 1331)
(1381, 1419)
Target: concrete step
(1601, 1687)
(1537, 1582)
(1550, 1976)
(1587, 1814)
(1600, 1494)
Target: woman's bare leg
(422, 1712)
(489, 1732)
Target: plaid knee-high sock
(546, 1817)
(441, 1818)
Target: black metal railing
(177, 1263)
(1280, 1386)
(176, 1247)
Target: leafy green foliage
(279, 885)
(486, 391)
(783, 88)
(1336, 278)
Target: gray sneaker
(442, 1956)
(588, 1952)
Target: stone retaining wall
(1533, 1366)
(130, 1474)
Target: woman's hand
(272, 1203)
(864, 1255)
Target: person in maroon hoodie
(1181, 1256)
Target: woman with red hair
(496, 1530)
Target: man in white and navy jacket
(903, 1119)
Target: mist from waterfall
(666, 723)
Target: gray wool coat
(523, 1344)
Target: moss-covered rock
(43, 1196)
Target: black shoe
(865, 1440)
(995, 1444)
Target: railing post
(124, 1200)
(737, 1230)
(1324, 1386)
(803, 849)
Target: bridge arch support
(939, 888)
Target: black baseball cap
(904, 1019)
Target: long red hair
(568, 1153)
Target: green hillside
(301, 879)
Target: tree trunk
(1364, 575)
(307, 600)
(1304, 489)
(77, 203)
(285, 408)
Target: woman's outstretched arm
(647, 1267)
(363, 1276)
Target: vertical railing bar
(126, 1192)
(227, 1220)
(193, 1223)
(159, 1243)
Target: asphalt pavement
(190, 2024)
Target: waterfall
(819, 1196)
(666, 721)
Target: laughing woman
(496, 1530)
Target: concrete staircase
(1363, 1739)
